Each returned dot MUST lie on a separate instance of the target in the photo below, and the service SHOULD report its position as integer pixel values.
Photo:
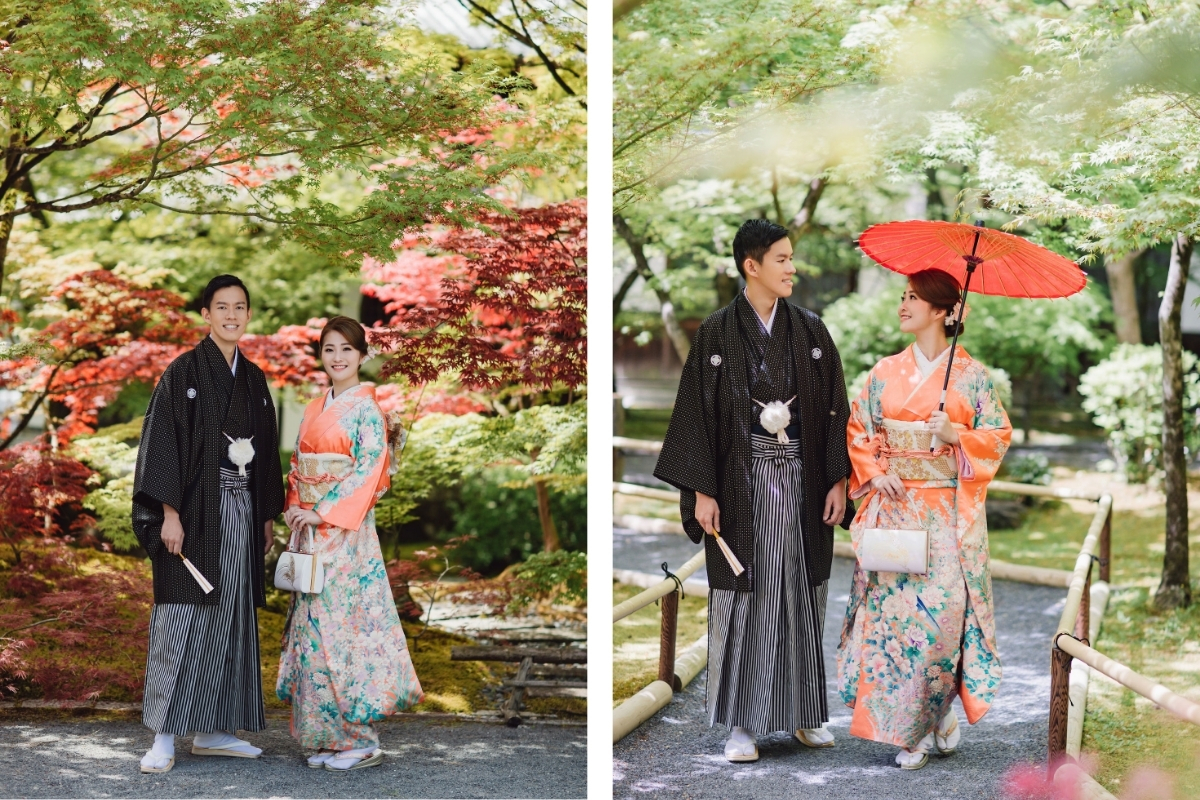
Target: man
(199, 496)
(757, 448)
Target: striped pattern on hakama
(765, 666)
(202, 670)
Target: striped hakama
(766, 672)
(202, 670)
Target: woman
(345, 662)
(912, 641)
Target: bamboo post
(1060, 687)
(618, 430)
(666, 641)
(1106, 547)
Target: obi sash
(903, 449)
(318, 473)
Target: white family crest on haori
(816, 352)
(191, 393)
(715, 361)
(241, 453)
(775, 418)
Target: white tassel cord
(775, 418)
(241, 453)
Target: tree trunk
(727, 288)
(803, 221)
(935, 208)
(1027, 411)
(7, 204)
(622, 290)
(637, 247)
(1123, 288)
(1175, 589)
(550, 541)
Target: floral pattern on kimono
(910, 643)
(345, 660)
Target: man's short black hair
(754, 239)
(223, 282)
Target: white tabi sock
(348, 758)
(222, 740)
(161, 753)
(742, 736)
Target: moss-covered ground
(86, 660)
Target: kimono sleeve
(982, 445)
(159, 477)
(865, 415)
(688, 460)
(348, 503)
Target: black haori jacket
(179, 465)
(707, 447)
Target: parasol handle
(972, 262)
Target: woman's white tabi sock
(348, 758)
(223, 740)
(158, 756)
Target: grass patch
(635, 640)
(647, 423)
(1123, 730)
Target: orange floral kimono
(345, 661)
(911, 642)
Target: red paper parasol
(1011, 266)
(1008, 265)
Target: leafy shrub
(1033, 468)
(560, 576)
(1123, 394)
(108, 451)
(502, 520)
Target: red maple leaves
(41, 491)
(508, 307)
(114, 333)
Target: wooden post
(511, 710)
(1084, 619)
(618, 430)
(1106, 547)
(1060, 685)
(666, 641)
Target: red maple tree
(501, 304)
(39, 491)
(114, 333)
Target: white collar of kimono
(766, 326)
(926, 365)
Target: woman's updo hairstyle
(351, 329)
(940, 290)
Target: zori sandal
(947, 734)
(816, 738)
(738, 751)
(344, 763)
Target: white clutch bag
(300, 572)
(893, 549)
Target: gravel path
(677, 752)
(441, 758)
